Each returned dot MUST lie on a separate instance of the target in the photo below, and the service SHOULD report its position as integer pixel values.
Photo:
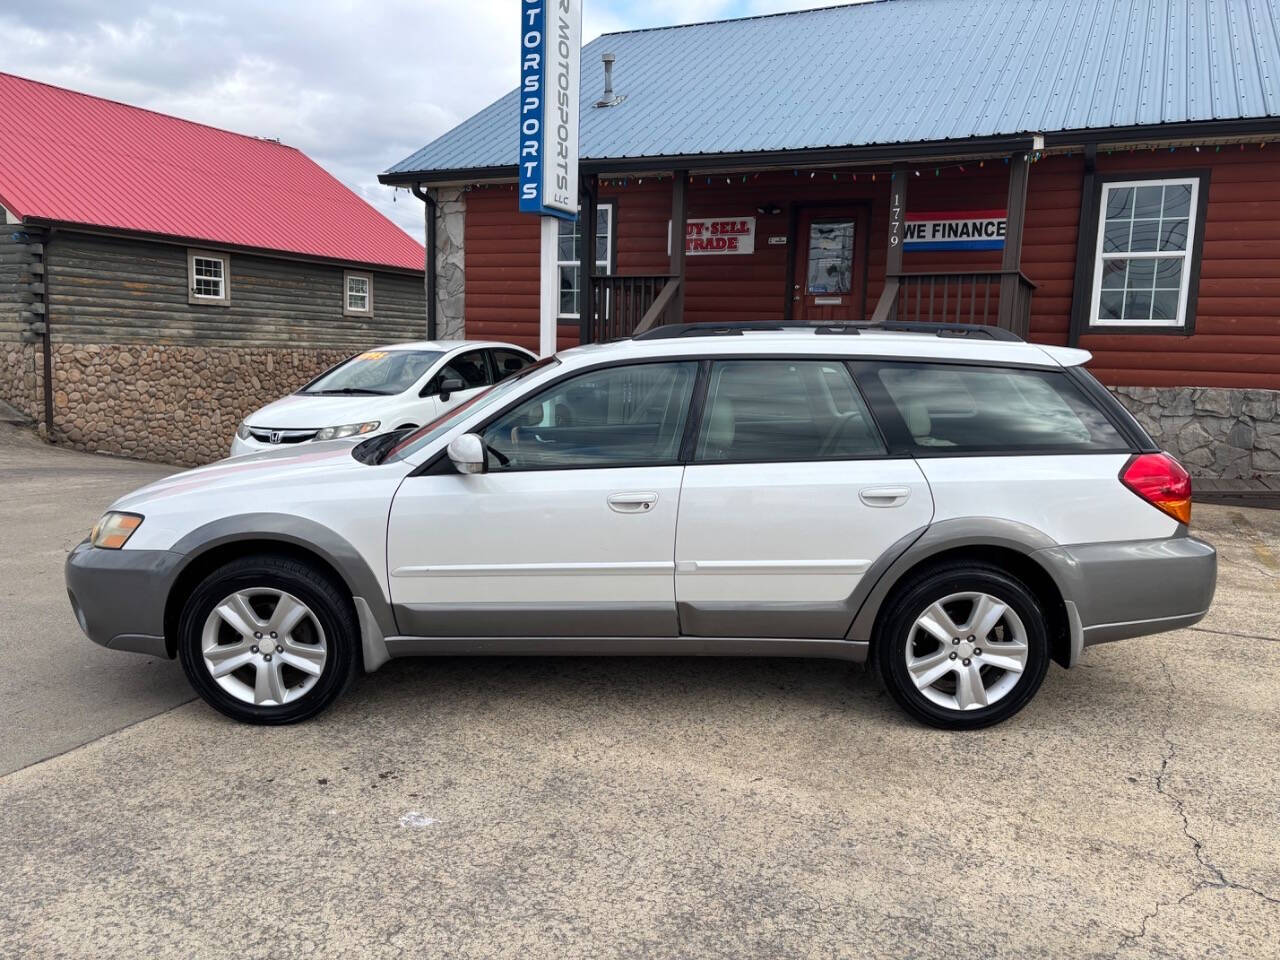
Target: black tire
(911, 599)
(328, 603)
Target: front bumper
(1133, 588)
(240, 448)
(118, 596)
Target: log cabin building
(159, 279)
(1100, 173)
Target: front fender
(304, 534)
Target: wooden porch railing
(960, 296)
(623, 305)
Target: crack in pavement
(1218, 879)
(99, 738)
(1232, 633)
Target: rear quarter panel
(1071, 499)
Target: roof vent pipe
(609, 99)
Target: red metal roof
(73, 158)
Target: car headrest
(721, 425)
(916, 413)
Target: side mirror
(452, 385)
(467, 454)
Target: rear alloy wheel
(268, 640)
(964, 647)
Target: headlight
(114, 530)
(350, 430)
(242, 431)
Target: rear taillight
(1161, 481)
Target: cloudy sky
(355, 85)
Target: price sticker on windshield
(372, 355)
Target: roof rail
(946, 329)
(732, 328)
(736, 328)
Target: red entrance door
(830, 281)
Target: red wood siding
(500, 247)
(1237, 331)
(1237, 328)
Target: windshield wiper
(362, 391)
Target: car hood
(302, 411)
(256, 472)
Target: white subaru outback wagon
(954, 504)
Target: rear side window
(957, 409)
(771, 410)
(507, 362)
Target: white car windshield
(374, 373)
(445, 422)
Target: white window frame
(224, 261)
(1187, 254)
(347, 309)
(604, 264)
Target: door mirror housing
(451, 385)
(468, 454)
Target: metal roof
(72, 158)
(904, 71)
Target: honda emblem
(275, 436)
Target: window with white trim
(208, 278)
(1143, 266)
(357, 294)
(569, 257)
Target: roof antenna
(610, 99)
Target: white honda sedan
(388, 388)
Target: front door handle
(884, 496)
(632, 502)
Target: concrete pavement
(56, 691)
(648, 808)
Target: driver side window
(615, 417)
(471, 368)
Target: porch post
(1019, 169)
(587, 254)
(679, 221)
(893, 258)
(548, 284)
(1086, 237)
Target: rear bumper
(118, 596)
(1133, 588)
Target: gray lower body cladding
(118, 596)
(1113, 591)
(1132, 588)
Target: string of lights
(875, 175)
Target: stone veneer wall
(22, 383)
(1227, 434)
(451, 219)
(170, 404)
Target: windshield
(450, 418)
(375, 373)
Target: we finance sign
(550, 64)
(955, 230)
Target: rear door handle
(632, 502)
(884, 496)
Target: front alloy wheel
(268, 639)
(963, 645)
(264, 647)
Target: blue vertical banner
(550, 68)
